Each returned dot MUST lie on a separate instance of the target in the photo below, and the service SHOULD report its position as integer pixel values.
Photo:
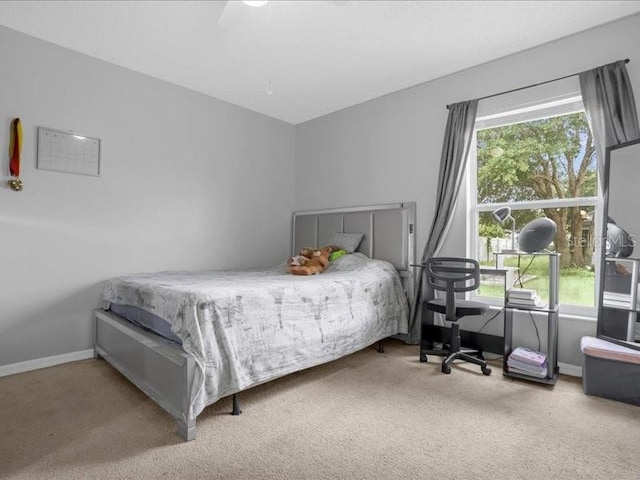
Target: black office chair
(453, 275)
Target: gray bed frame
(165, 372)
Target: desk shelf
(550, 310)
(431, 334)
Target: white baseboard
(37, 363)
(21, 367)
(571, 370)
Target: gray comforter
(250, 326)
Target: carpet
(368, 415)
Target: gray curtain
(455, 149)
(611, 109)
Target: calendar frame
(72, 139)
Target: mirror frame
(603, 244)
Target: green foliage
(539, 160)
(576, 285)
(542, 159)
(537, 265)
(491, 230)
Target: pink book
(526, 355)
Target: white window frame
(536, 111)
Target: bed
(188, 339)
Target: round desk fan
(537, 235)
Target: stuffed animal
(297, 261)
(309, 252)
(336, 254)
(316, 264)
(302, 258)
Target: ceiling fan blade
(217, 7)
(231, 13)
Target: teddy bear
(297, 260)
(305, 254)
(316, 264)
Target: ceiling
(320, 56)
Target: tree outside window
(542, 168)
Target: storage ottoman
(610, 370)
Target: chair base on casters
(454, 351)
(471, 356)
(467, 356)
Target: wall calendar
(68, 152)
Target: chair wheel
(446, 368)
(423, 358)
(486, 371)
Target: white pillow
(348, 242)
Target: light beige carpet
(369, 415)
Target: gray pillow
(348, 242)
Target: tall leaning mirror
(619, 309)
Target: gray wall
(388, 149)
(188, 182)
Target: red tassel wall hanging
(15, 146)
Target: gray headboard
(389, 232)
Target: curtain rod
(626, 60)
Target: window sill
(578, 311)
(574, 312)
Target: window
(541, 162)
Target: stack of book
(527, 362)
(524, 297)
